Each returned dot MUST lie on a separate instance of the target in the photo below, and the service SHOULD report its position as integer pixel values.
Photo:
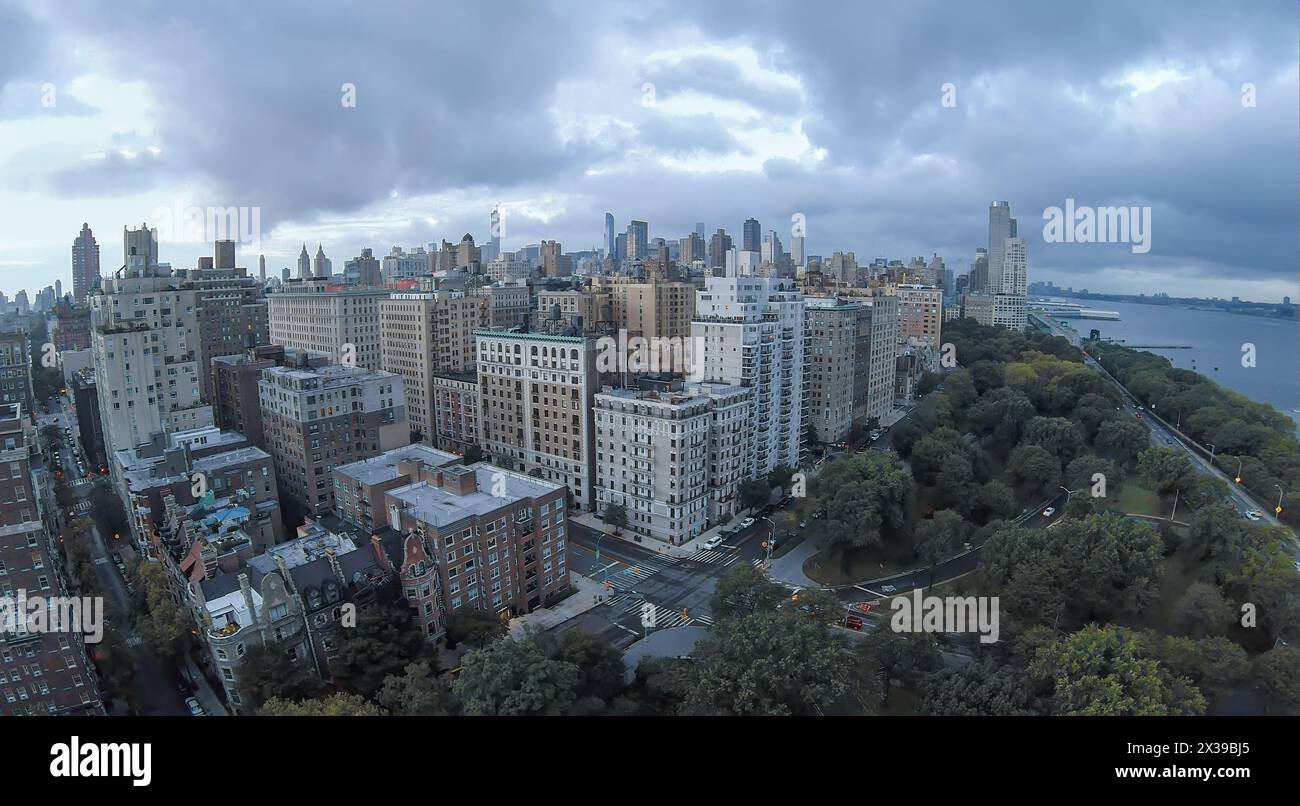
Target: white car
(746, 523)
(713, 542)
(1049, 512)
(195, 708)
(1255, 515)
(888, 588)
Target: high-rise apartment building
(85, 264)
(363, 269)
(719, 248)
(318, 418)
(834, 346)
(535, 394)
(638, 240)
(145, 337)
(456, 410)
(920, 315)
(336, 321)
(751, 236)
(16, 371)
(426, 332)
(508, 304)
(753, 335)
(229, 310)
(655, 308)
(41, 672)
(611, 240)
(881, 325)
(400, 265)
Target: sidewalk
(590, 594)
(788, 567)
(213, 703)
(686, 549)
(896, 414)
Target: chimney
(246, 590)
(459, 480)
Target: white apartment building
(508, 268)
(535, 398)
(652, 451)
(328, 319)
(145, 339)
(752, 332)
(399, 265)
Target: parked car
(746, 523)
(195, 708)
(802, 524)
(888, 589)
(853, 622)
(713, 542)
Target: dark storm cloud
(460, 97)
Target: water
(1216, 339)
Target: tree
(474, 627)
(1057, 435)
(898, 656)
(1098, 568)
(1034, 469)
(1202, 611)
(162, 623)
(1165, 470)
(754, 493)
(337, 704)
(1122, 440)
(616, 516)
(108, 512)
(780, 477)
(417, 691)
(769, 664)
(980, 689)
(383, 642)
(1104, 671)
(1081, 475)
(599, 663)
(935, 451)
(268, 673)
(1277, 675)
(939, 537)
(866, 499)
(995, 500)
(1216, 534)
(515, 678)
(743, 591)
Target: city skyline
(673, 124)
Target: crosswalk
(658, 616)
(710, 557)
(628, 577)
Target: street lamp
(1211, 453)
(771, 540)
(1278, 509)
(1238, 477)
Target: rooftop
(383, 467)
(441, 507)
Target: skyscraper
(261, 268)
(638, 239)
(719, 246)
(322, 267)
(304, 264)
(752, 237)
(1001, 227)
(611, 240)
(85, 264)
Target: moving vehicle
(746, 523)
(1049, 512)
(853, 622)
(713, 542)
(888, 589)
(1255, 515)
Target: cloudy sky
(669, 112)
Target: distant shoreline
(1276, 312)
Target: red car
(853, 622)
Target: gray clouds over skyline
(759, 109)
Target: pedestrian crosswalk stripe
(707, 556)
